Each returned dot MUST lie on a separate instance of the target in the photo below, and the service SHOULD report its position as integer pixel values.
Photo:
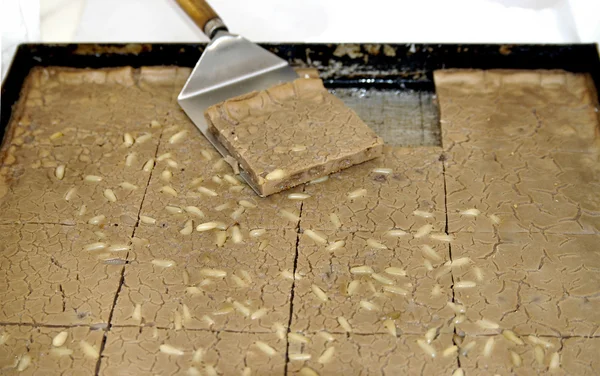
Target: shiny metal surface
(212, 26)
(230, 66)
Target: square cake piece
(291, 133)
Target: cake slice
(291, 133)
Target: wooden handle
(201, 13)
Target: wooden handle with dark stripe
(203, 15)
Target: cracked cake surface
(129, 246)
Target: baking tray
(350, 70)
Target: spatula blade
(230, 66)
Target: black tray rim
(360, 65)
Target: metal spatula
(230, 66)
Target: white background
(399, 21)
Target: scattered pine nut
(70, 193)
(299, 357)
(163, 263)
(423, 214)
(511, 336)
(369, 306)
(335, 220)
(257, 232)
(188, 228)
(97, 220)
(208, 320)
(487, 324)
(327, 355)
(319, 180)
(24, 363)
(128, 186)
(56, 136)
(61, 351)
(193, 210)
(177, 137)
(247, 204)
(538, 353)
(428, 265)
(298, 196)
(147, 220)
(395, 271)
(427, 348)
(382, 170)
(236, 214)
(423, 231)
(458, 372)
(382, 279)
(137, 313)
(336, 245)
(364, 269)
(326, 336)
(464, 350)
(127, 140)
(390, 325)
(305, 371)
(431, 334)
(396, 233)
(241, 308)
(95, 246)
(372, 243)
(344, 324)
(554, 362)
(206, 154)
(92, 178)
(539, 341)
(352, 287)
(143, 138)
(457, 308)
(450, 351)
(163, 156)
(319, 293)
(60, 339)
(495, 219)
(236, 234)
(119, 248)
(109, 194)
(316, 237)
(279, 330)
(516, 359)
(470, 212)
(208, 192)
(464, 284)
(130, 159)
(89, 350)
(169, 190)
(276, 174)
(357, 193)
(489, 347)
(60, 172)
(430, 252)
(170, 350)
(231, 180)
(297, 338)
(220, 238)
(258, 314)
(166, 175)
(213, 273)
(395, 290)
(441, 237)
(265, 348)
(149, 165)
(289, 215)
(206, 226)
